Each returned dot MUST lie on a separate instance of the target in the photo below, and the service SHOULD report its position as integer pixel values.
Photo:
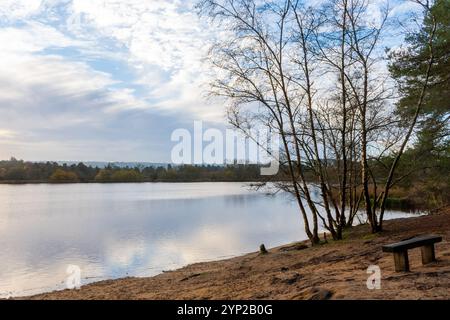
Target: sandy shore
(336, 270)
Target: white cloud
(161, 43)
(50, 92)
(18, 9)
(7, 134)
(79, 64)
(405, 7)
(165, 42)
(33, 37)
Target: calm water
(118, 230)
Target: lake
(117, 230)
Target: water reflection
(118, 230)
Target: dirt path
(336, 270)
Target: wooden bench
(400, 250)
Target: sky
(102, 80)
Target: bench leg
(428, 254)
(401, 261)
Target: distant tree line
(19, 171)
(428, 186)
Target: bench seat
(400, 250)
(412, 243)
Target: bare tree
(259, 81)
(311, 75)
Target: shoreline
(335, 270)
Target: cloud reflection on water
(119, 230)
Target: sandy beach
(334, 270)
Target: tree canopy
(408, 66)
